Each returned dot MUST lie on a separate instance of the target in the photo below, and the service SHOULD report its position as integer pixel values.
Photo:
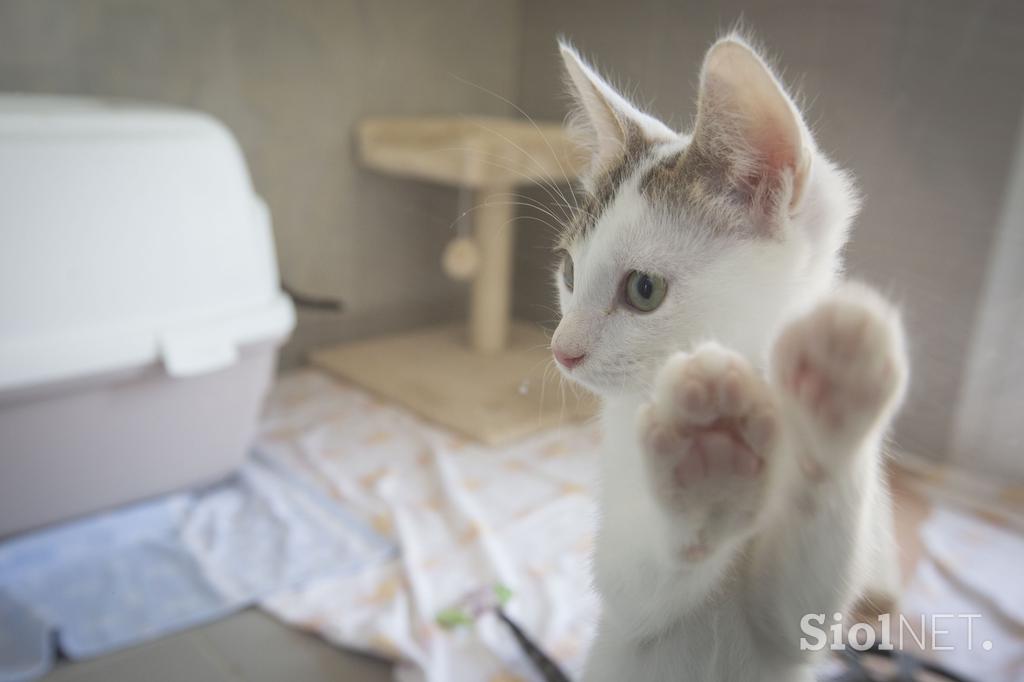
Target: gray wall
(920, 99)
(291, 78)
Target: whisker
(554, 194)
(530, 203)
(476, 207)
(529, 118)
(531, 157)
(543, 389)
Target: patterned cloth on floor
(465, 516)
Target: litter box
(140, 308)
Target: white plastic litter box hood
(131, 240)
(128, 235)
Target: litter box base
(495, 398)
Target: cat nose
(566, 360)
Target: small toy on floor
(493, 600)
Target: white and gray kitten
(746, 388)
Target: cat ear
(749, 130)
(605, 122)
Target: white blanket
(465, 517)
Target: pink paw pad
(716, 452)
(709, 435)
(842, 361)
(696, 553)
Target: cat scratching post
(486, 377)
(490, 302)
(488, 157)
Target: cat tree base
(494, 398)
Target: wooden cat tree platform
(490, 378)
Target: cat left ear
(749, 129)
(606, 121)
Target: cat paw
(707, 437)
(843, 364)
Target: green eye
(645, 292)
(567, 272)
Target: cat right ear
(749, 130)
(605, 122)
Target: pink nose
(568, 361)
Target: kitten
(746, 389)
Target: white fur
(707, 580)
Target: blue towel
(133, 574)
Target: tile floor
(247, 647)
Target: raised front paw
(843, 364)
(708, 437)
